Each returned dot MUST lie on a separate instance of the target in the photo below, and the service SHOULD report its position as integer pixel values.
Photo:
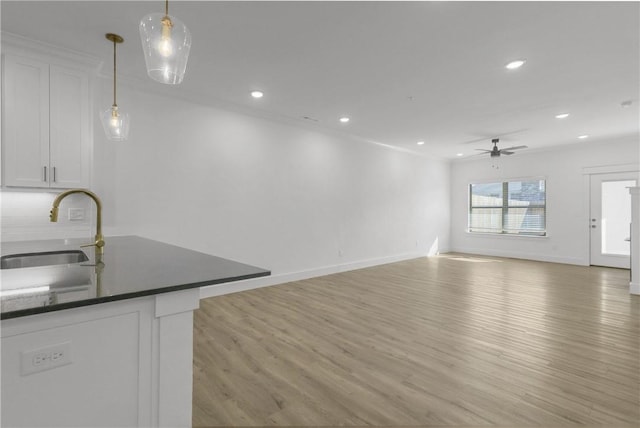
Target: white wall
(567, 238)
(278, 195)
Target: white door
(610, 219)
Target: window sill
(505, 235)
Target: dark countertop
(131, 267)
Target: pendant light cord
(114, 74)
(166, 7)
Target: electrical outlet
(76, 214)
(46, 358)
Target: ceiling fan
(495, 152)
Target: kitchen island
(107, 341)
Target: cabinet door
(69, 128)
(26, 122)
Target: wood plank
(452, 340)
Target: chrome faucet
(99, 239)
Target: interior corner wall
(567, 239)
(278, 195)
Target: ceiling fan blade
(515, 148)
(505, 152)
(483, 150)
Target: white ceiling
(403, 71)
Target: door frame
(587, 172)
(596, 208)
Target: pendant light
(115, 121)
(166, 42)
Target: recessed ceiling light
(257, 94)
(459, 154)
(515, 64)
(582, 137)
(344, 119)
(420, 143)
(562, 116)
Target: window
(509, 207)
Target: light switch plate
(76, 214)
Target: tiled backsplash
(25, 216)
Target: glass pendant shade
(115, 123)
(166, 42)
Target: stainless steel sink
(49, 258)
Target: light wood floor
(443, 341)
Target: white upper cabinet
(69, 149)
(46, 123)
(25, 143)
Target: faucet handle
(99, 244)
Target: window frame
(504, 208)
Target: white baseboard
(522, 255)
(249, 284)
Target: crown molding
(23, 46)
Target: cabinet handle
(45, 175)
(54, 174)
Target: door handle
(593, 226)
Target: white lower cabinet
(118, 364)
